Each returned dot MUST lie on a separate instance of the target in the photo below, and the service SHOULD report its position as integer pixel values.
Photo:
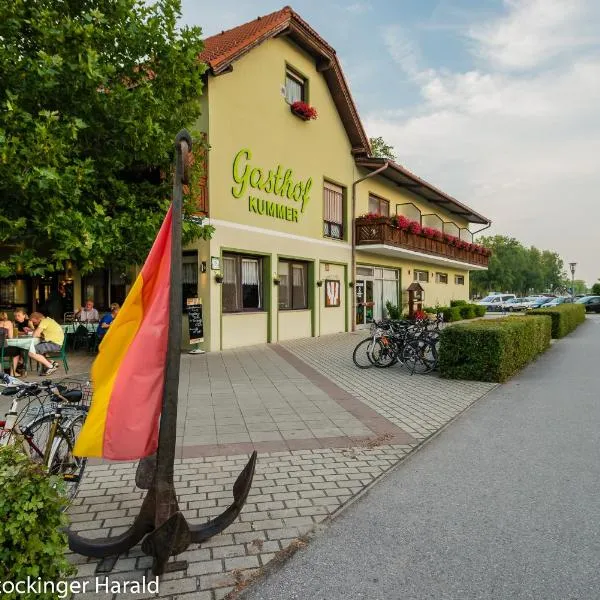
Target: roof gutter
(482, 229)
(353, 235)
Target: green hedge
(480, 310)
(565, 317)
(458, 303)
(492, 350)
(467, 311)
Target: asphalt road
(503, 504)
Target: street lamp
(572, 267)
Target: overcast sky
(495, 101)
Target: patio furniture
(60, 355)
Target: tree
(92, 95)
(380, 149)
(596, 289)
(515, 268)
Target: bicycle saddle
(10, 391)
(72, 396)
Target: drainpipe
(353, 236)
(482, 229)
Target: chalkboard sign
(195, 320)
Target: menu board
(195, 320)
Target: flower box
(304, 110)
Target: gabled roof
(405, 179)
(221, 50)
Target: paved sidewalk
(502, 505)
(324, 430)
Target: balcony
(379, 236)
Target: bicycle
(49, 436)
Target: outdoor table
(72, 327)
(27, 343)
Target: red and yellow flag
(128, 373)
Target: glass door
(365, 304)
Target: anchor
(160, 525)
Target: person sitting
(106, 320)
(52, 336)
(7, 331)
(88, 313)
(22, 322)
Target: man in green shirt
(52, 336)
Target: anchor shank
(168, 420)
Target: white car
(495, 302)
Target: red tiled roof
(224, 48)
(221, 46)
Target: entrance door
(364, 302)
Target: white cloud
(358, 8)
(536, 31)
(519, 146)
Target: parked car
(539, 302)
(591, 303)
(495, 301)
(558, 301)
(512, 304)
(523, 303)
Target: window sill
(294, 309)
(249, 311)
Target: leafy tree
(515, 268)
(92, 94)
(596, 289)
(380, 149)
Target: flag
(128, 373)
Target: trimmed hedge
(565, 317)
(458, 303)
(480, 310)
(492, 350)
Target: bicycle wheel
(419, 356)
(62, 462)
(384, 353)
(362, 355)
(37, 434)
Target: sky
(497, 102)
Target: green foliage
(380, 149)
(595, 291)
(565, 317)
(492, 350)
(434, 310)
(513, 267)
(92, 96)
(467, 311)
(32, 541)
(479, 310)
(393, 311)
(458, 302)
(451, 313)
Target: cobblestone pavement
(324, 430)
(418, 404)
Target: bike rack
(160, 525)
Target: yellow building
(289, 258)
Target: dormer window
(295, 87)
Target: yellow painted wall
(248, 111)
(396, 195)
(294, 324)
(244, 329)
(332, 319)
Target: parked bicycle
(413, 344)
(48, 425)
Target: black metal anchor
(160, 524)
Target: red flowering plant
(304, 110)
(402, 222)
(438, 235)
(419, 315)
(428, 232)
(415, 227)
(450, 239)
(371, 216)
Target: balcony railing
(371, 232)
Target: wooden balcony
(380, 237)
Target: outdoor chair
(5, 361)
(68, 317)
(60, 355)
(82, 338)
